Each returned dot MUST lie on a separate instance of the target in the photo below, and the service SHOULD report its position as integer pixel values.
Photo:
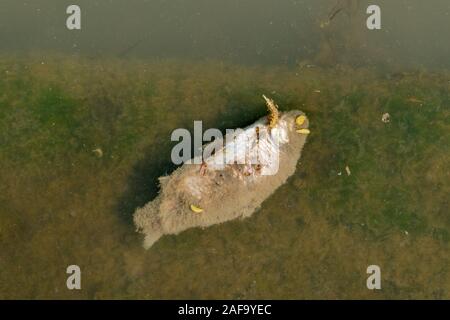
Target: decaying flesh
(273, 116)
(202, 195)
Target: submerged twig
(124, 52)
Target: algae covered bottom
(64, 202)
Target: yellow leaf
(303, 131)
(300, 120)
(196, 209)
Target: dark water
(365, 192)
(252, 31)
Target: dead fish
(206, 194)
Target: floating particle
(347, 169)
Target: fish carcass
(215, 190)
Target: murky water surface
(85, 124)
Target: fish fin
(151, 238)
(163, 180)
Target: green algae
(61, 204)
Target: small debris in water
(414, 100)
(347, 169)
(386, 118)
(98, 152)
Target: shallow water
(62, 204)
